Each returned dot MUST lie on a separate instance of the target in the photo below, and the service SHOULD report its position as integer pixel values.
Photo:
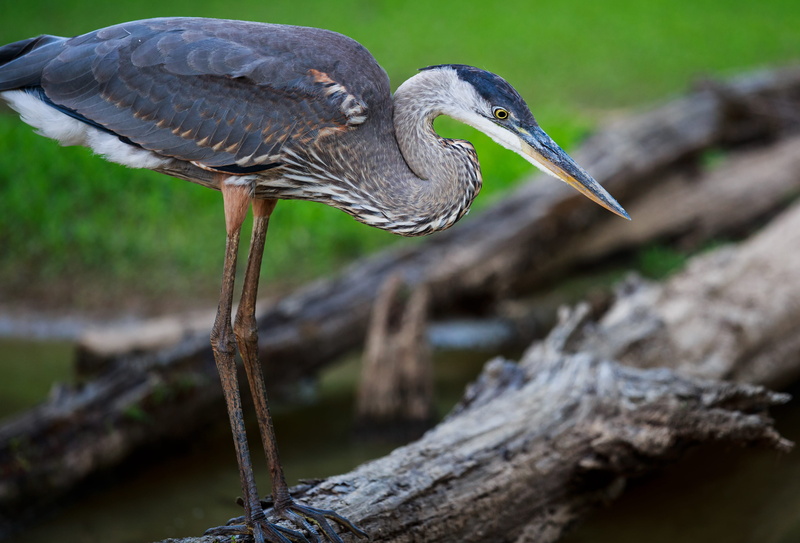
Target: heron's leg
(246, 329)
(236, 201)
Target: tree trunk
(534, 446)
(732, 314)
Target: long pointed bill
(543, 152)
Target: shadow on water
(716, 494)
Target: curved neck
(393, 172)
(448, 170)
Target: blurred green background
(77, 231)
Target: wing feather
(218, 93)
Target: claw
(291, 534)
(234, 520)
(291, 515)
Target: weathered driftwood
(530, 236)
(732, 314)
(395, 392)
(150, 394)
(534, 446)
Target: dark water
(28, 370)
(181, 492)
(717, 493)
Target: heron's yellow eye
(500, 113)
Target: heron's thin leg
(247, 338)
(222, 342)
(246, 329)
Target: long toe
(320, 518)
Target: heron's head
(489, 103)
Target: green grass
(660, 261)
(75, 225)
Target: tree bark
(534, 446)
(732, 314)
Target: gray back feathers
(221, 93)
(293, 112)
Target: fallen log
(732, 314)
(535, 445)
(149, 394)
(85, 429)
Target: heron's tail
(22, 62)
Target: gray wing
(225, 94)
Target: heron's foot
(261, 532)
(313, 520)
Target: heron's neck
(448, 170)
(395, 173)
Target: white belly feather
(54, 124)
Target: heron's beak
(543, 152)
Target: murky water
(182, 491)
(717, 494)
(29, 369)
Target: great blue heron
(265, 112)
